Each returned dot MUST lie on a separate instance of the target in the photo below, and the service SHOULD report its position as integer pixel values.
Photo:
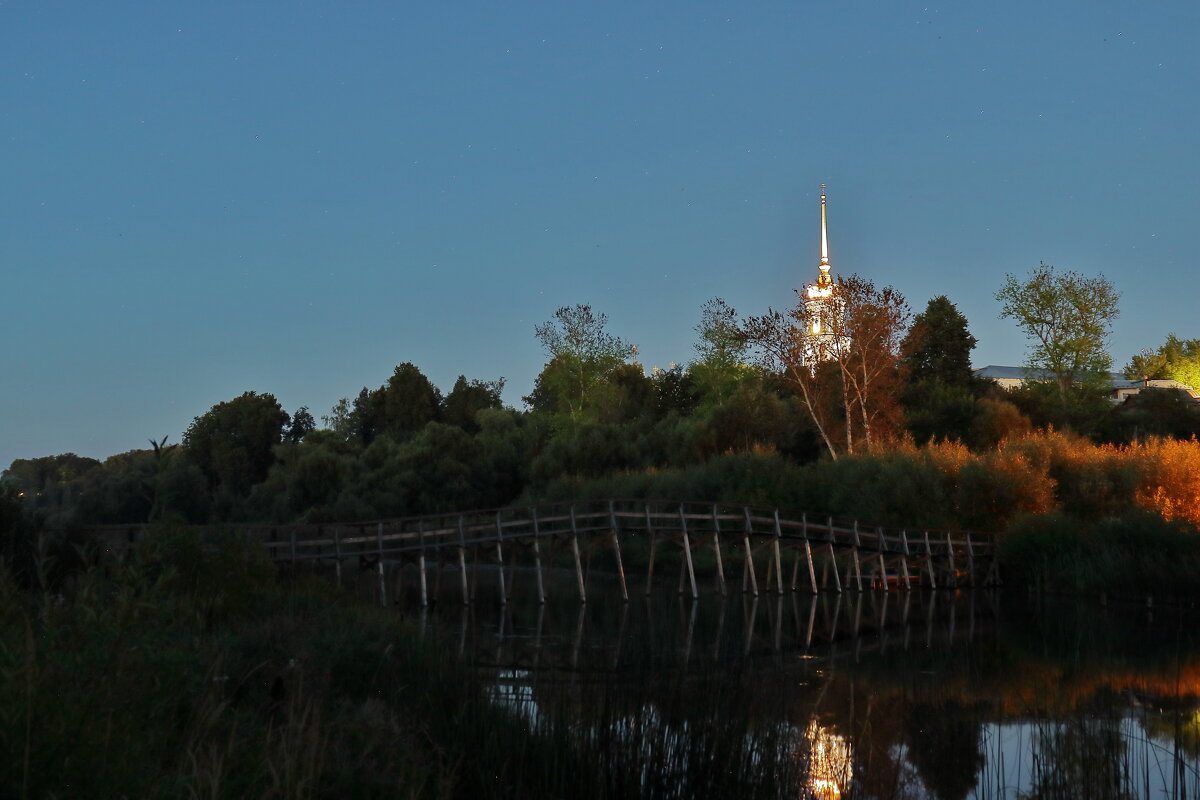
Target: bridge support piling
(929, 562)
(970, 561)
(575, 553)
(537, 562)
(837, 579)
(616, 543)
(653, 549)
(778, 534)
(337, 555)
(717, 551)
(812, 573)
(953, 576)
(462, 572)
(720, 566)
(851, 567)
(749, 567)
(687, 555)
(500, 574)
(500, 560)
(421, 578)
(379, 565)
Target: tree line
(752, 386)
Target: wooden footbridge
(710, 542)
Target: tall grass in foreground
(192, 670)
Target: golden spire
(824, 279)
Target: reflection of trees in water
(1182, 726)
(1085, 756)
(945, 746)
(704, 703)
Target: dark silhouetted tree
(233, 442)
(401, 407)
(467, 399)
(938, 346)
(301, 425)
(935, 364)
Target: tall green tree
(1177, 359)
(1068, 318)
(583, 355)
(233, 441)
(938, 345)
(721, 353)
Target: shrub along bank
(1136, 507)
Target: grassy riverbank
(197, 671)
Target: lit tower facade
(823, 308)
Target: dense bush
(1137, 553)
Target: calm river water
(890, 695)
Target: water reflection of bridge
(659, 632)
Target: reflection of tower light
(830, 762)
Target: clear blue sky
(199, 199)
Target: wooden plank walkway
(778, 552)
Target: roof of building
(996, 372)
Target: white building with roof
(1009, 378)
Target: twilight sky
(199, 199)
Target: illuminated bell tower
(822, 306)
